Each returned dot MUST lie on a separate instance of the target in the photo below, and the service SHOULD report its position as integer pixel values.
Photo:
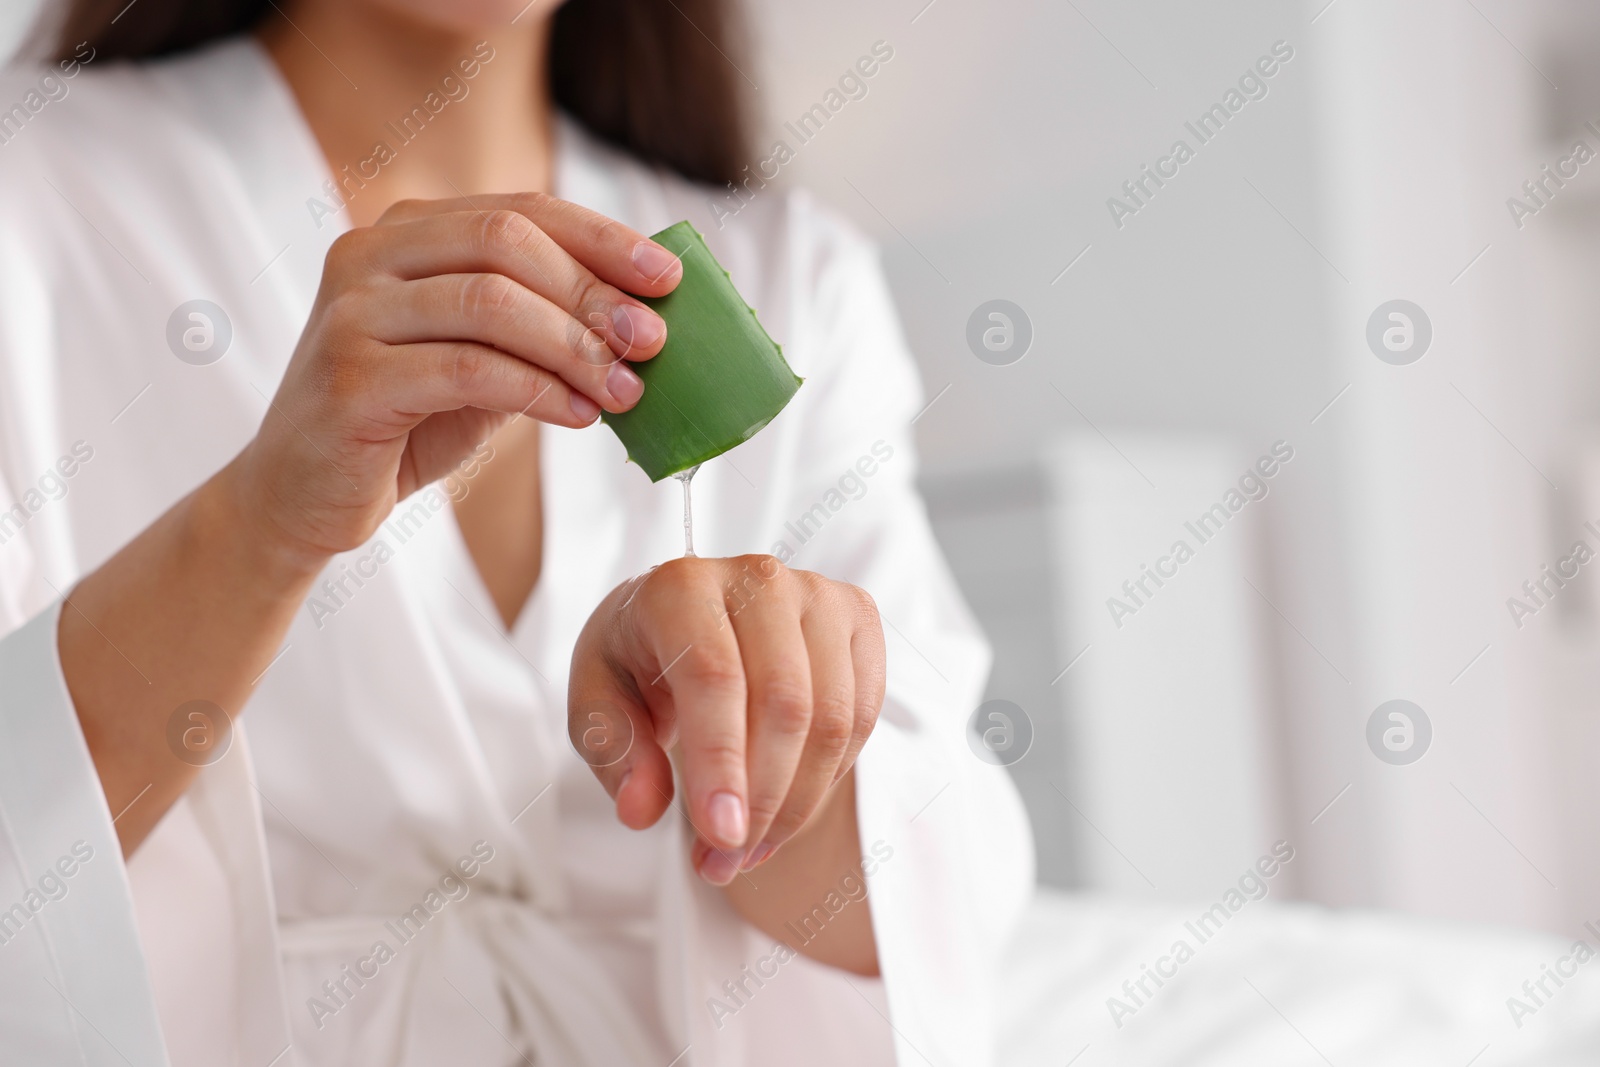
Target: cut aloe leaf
(715, 383)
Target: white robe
(401, 726)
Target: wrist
(228, 512)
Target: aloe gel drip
(685, 477)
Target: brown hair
(653, 77)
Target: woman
(308, 315)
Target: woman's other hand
(763, 682)
(431, 329)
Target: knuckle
(766, 568)
(589, 303)
(869, 700)
(764, 563)
(536, 383)
(489, 296)
(834, 722)
(350, 250)
(721, 750)
(534, 202)
(603, 231)
(746, 580)
(678, 575)
(813, 586)
(587, 345)
(590, 297)
(664, 583)
(502, 230)
(655, 595)
(463, 366)
(713, 670)
(832, 736)
(409, 208)
(786, 704)
(344, 309)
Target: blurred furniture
(1287, 984)
(1148, 772)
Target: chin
(469, 16)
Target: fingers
(763, 605)
(765, 700)
(613, 736)
(618, 254)
(870, 664)
(449, 375)
(610, 725)
(493, 310)
(831, 727)
(622, 256)
(507, 243)
(702, 678)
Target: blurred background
(1163, 336)
(1177, 339)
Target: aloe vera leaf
(718, 379)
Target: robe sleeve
(73, 981)
(73, 984)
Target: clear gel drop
(685, 477)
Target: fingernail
(627, 774)
(655, 262)
(756, 856)
(623, 384)
(717, 868)
(637, 327)
(725, 813)
(584, 408)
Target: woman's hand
(764, 683)
(429, 331)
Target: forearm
(820, 862)
(194, 608)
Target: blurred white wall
(991, 143)
(15, 18)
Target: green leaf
(715, 383)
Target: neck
(404, 110)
